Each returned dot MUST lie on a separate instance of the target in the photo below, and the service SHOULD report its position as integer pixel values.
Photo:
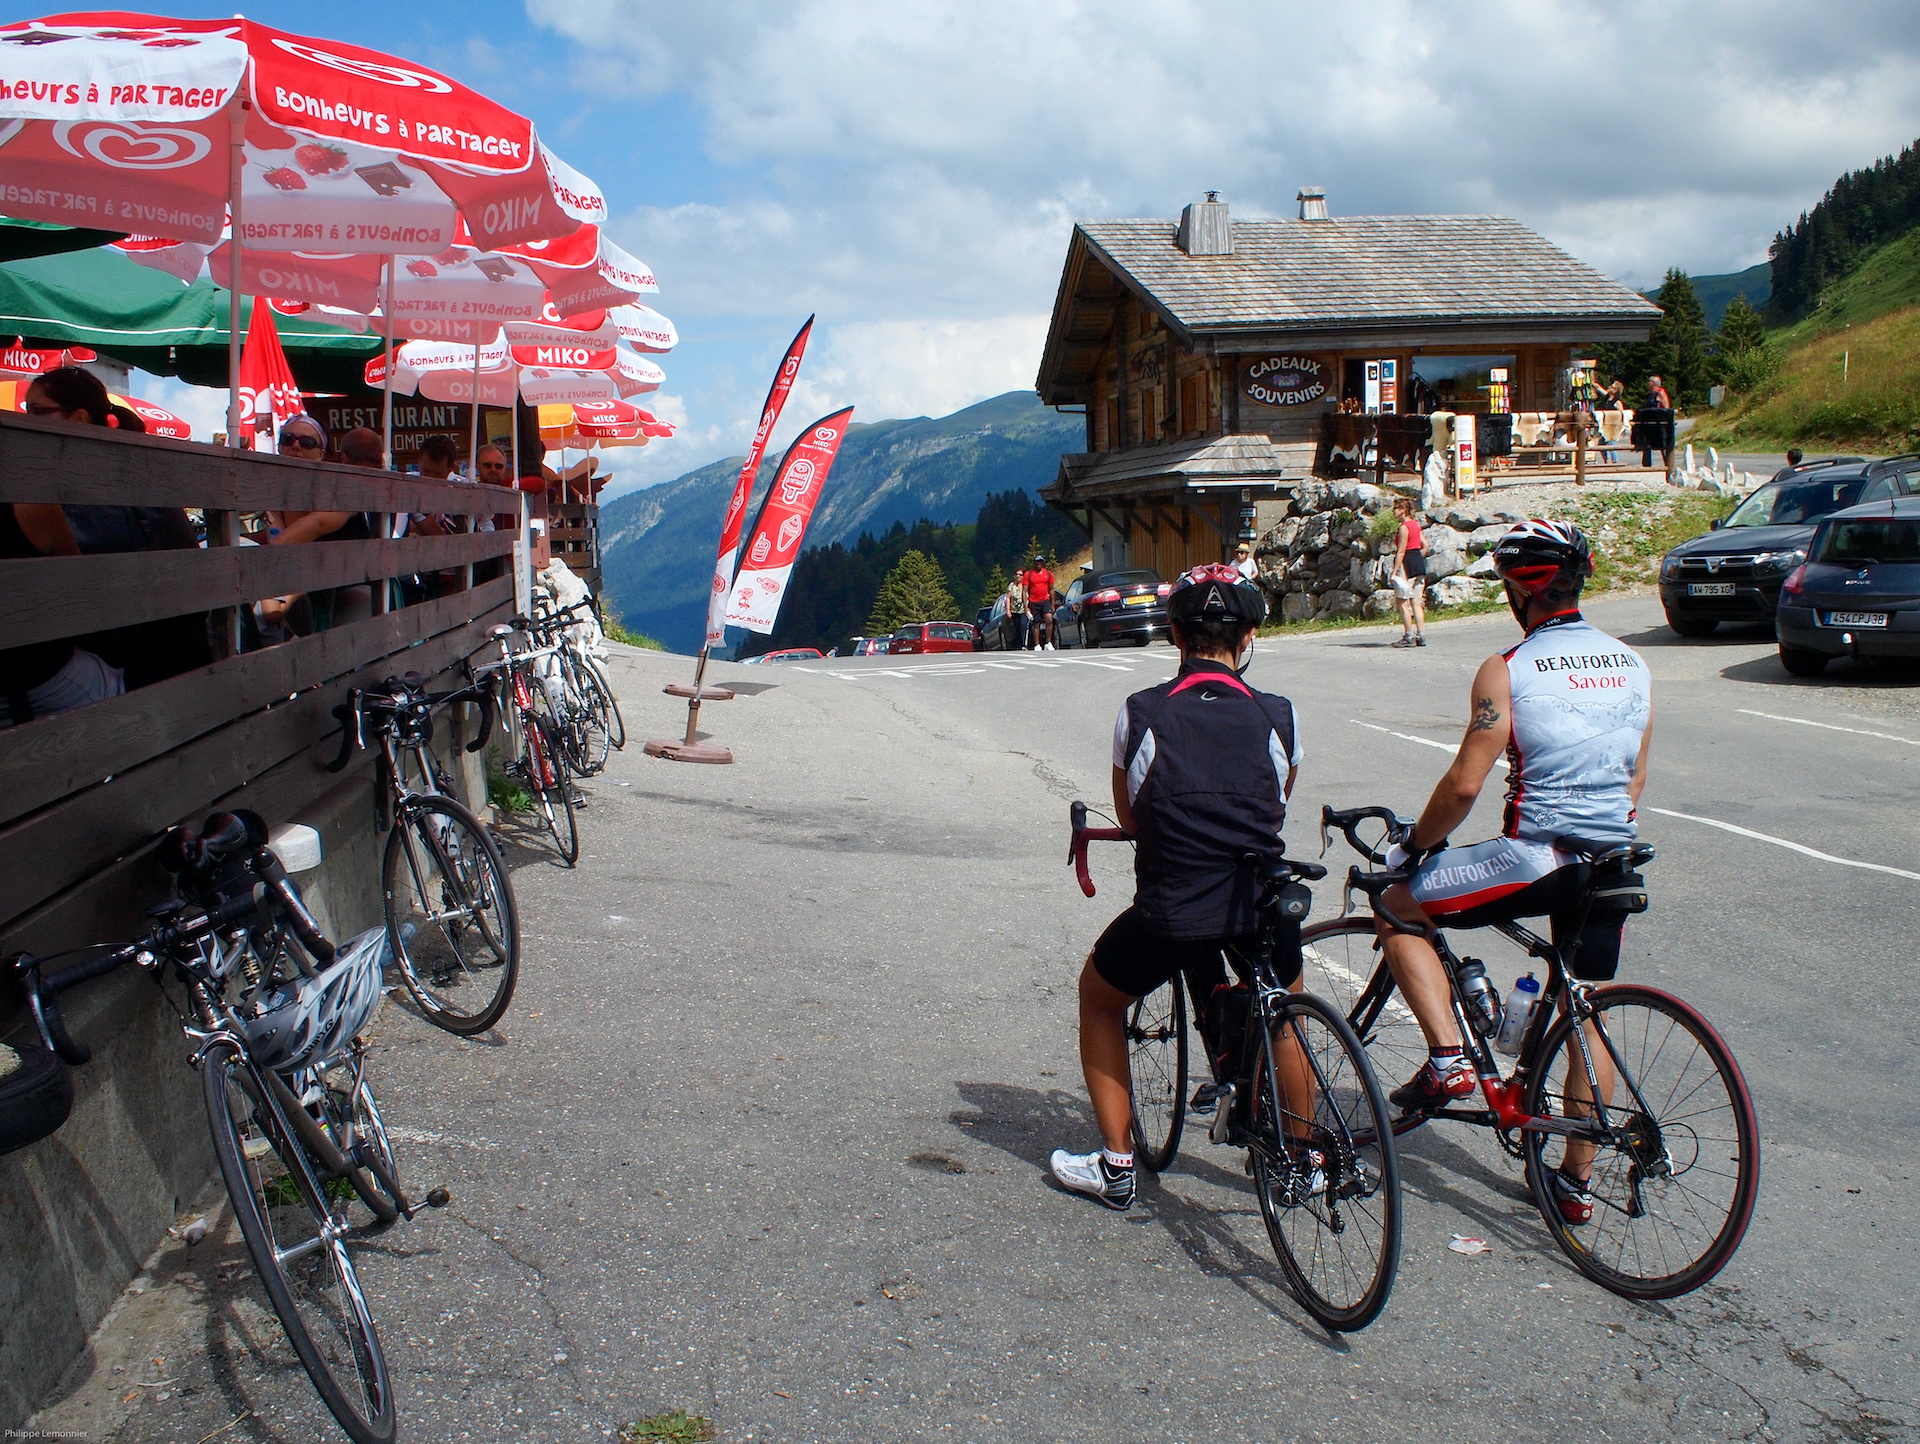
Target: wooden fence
(85, 795)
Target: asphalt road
(764, 1134)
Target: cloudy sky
(910, 170)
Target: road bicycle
(1302, 1099)
(588, 709)
(540, 760)
(451, 915)
(274, 1013)
(1676, 1147)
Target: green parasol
(146, 318)
(19, 239)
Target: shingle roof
(1365, 270)
(1249, 460)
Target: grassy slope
(1851, 376)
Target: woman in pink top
(1410, 576)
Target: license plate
(1856, 619)
(1140, 601)
(1710, 589)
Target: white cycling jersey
(1581, 704)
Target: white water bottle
(1521, 1002)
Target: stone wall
(1320, 563)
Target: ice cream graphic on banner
(774, 546)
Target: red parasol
(268, 392)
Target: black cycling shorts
(1134, 960)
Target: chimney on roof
(1313, 203)
(1205, 228)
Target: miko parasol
(159, 421)
(170, 127)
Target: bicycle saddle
(1280, 870)
(500, 631)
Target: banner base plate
(706, 694)
(673, 750)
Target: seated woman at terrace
(46, 677)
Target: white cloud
(911, 172)
(201, 407)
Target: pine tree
(997, 581)
(1678, 351)
(1740, 328)
(914, 591)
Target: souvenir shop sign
(1283, 379)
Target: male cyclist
(1572, 709)
(1202, 767)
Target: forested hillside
(658, 544)
(1864, 210)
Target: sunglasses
(305, 443)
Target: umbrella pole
(236, 164)
(386, 405)
(473, 445)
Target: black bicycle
(450, 909)
(1294, 1089)
(296, 1144)
(1630, 1079)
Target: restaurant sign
(1283, 380)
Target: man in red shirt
(1039, 584)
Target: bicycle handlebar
(397, 696)
(42, 990)
(1082, 835)
(1399, 829)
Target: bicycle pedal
(1221, 1129)
(438, 1198)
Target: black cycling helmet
(1216, 590)
(1542, 556)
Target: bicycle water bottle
(1483, 1002)
(1521, 1002)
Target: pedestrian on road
(1202, 768)
(1658, 400)
(1243, 562)
(1794, 457)
(1039, 584)
(1409, 575)
(1017, 613)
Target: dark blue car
(1858, 594)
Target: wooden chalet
(1212, 354)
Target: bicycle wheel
(1674, 1182)
(546, 772)
(295, 1236)
(616, 724)
(1324, 1167)
(451, 915)
(1340, 961)
(594, 729)
(1157, 1068)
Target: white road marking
(1801, 848)
(1790, 846)
(1359, 981)
(1830, 727)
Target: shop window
(1456, 383)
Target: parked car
(1734, 572)
(998, 633)
(787, 654)
(855, 647)
(919, 637)
(1104, 607)
(1858, 592)
(980, 620)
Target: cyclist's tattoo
(1486, 715)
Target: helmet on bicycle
(311, 1020)
(1216, 590)
(1538, 556)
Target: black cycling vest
(1213, 791)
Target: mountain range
(657, 545)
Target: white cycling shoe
(1091, 1174)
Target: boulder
(1337, 603)
(1484, 537)
(1485, 516)
(1279, 538)
(1446, 551)
(1379, 604)
(1270, 571)
(1452, 591)
(1296, 607)
(1481, 566)
(1310, 497)
(1368, 575)
(1362, 496)
(1351, 530)
(1433, 482)
(1315, 533)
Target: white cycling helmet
(311, 1020)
